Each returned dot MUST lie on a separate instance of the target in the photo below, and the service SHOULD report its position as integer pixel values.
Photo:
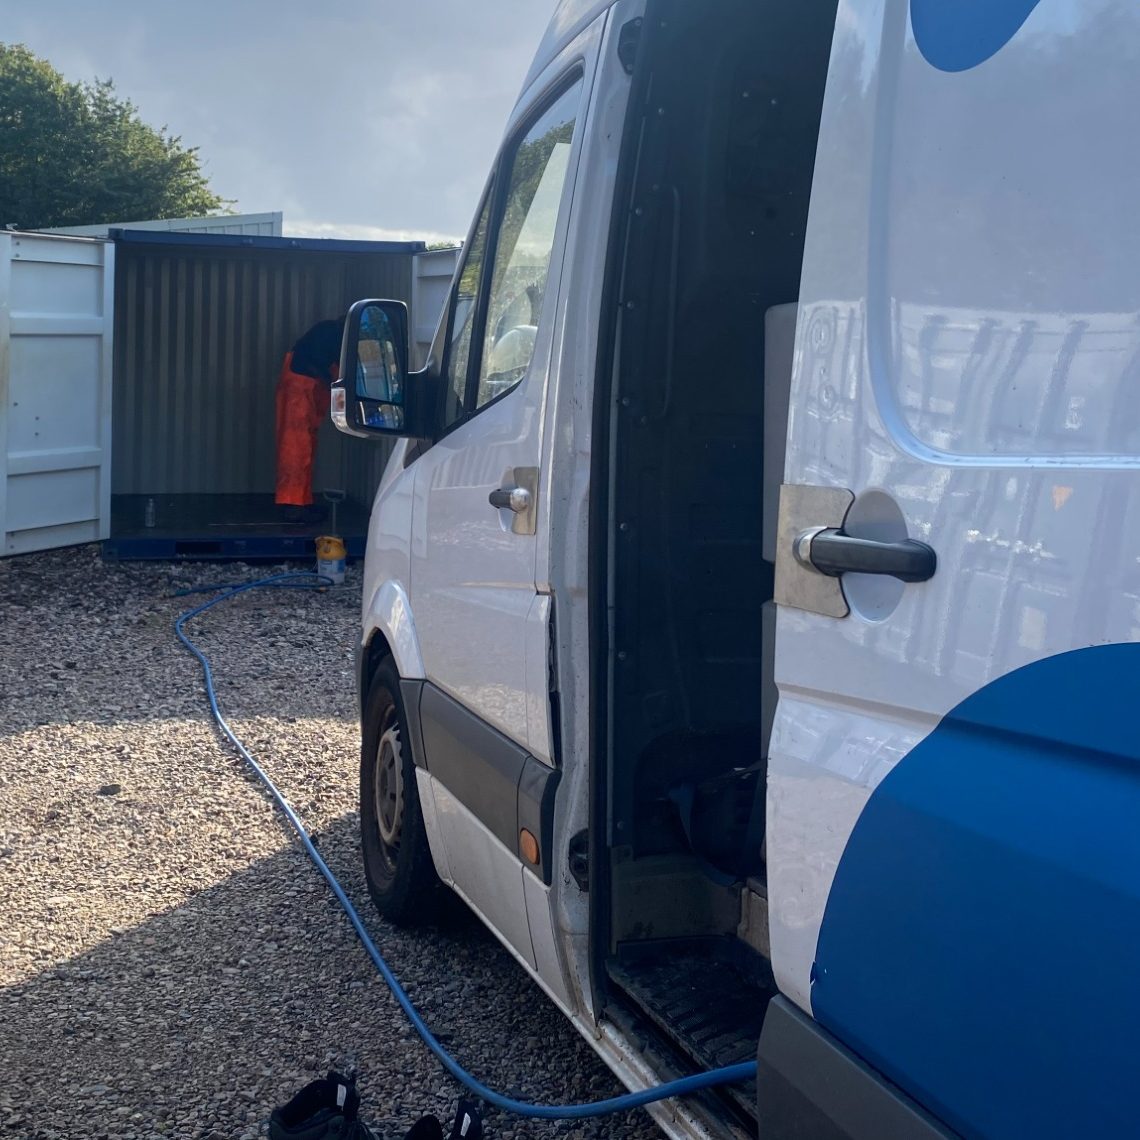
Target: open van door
(955, 767)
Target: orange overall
(302, 404)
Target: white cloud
(375, 116)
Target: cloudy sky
(369, 118)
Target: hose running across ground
(731, 1074)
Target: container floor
(220, 527)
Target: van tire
(401, 874)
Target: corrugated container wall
(200, 334)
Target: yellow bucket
(330, 559)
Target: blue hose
(731, 1074)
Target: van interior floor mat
(705, 997)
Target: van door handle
(520, 497)
(515, 499)
(833, 553)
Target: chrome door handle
(521, 499)
(833, 553)
(515, 499)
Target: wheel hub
(390, 787)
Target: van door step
(705, 1005)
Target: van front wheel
(397, 861)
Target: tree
(77, 154)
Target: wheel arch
(389, 632)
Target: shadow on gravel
(196, 1022)
(94, 642)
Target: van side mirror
(371, 397)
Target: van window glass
(463, 320)
(522, 251)
(1008, 328)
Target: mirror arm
(423, 405)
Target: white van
(795, 350)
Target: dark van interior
(704, 278)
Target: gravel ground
(170, 963)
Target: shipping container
(261, 225)
(434, 271)
(170, 344)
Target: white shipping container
(55, 390)
(259, 225)
(431, 282)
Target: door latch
(800, 585)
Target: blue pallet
(262, 548)
(212, 528)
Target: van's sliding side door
(953, 846)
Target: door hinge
(628, 40)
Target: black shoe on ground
(426, 1128)
(468, 1123)
(322, 1110)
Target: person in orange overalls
(309, 368)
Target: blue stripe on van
(981, 941)
(955, 35)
